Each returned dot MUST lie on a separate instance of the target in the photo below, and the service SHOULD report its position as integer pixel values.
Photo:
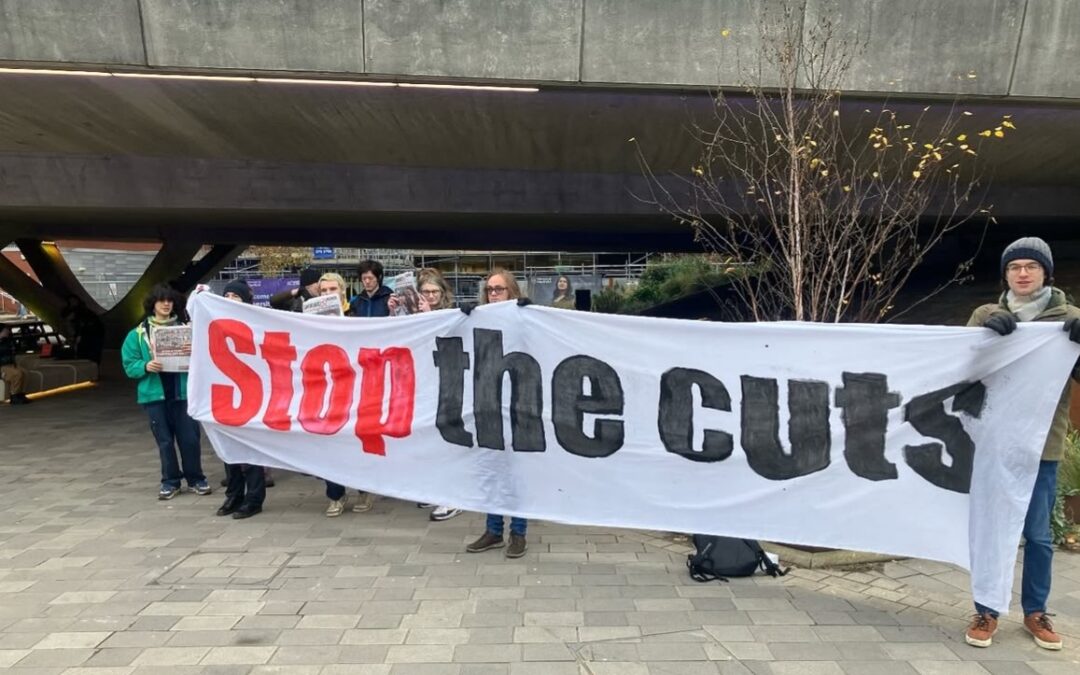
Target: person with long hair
(435, 294)
(563, 295)
(501, 286)
(164, 395)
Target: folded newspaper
(324, 305)
(172, 347)
(406, 298)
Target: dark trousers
(247, 484)
(173, 428)
(334, 491)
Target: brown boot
(486, 542)
(1038, 624)
(981, 631)
(517, 546)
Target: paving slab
(98, 576)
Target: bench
(44, 374)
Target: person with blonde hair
(329, 284)
(333, 283)
(501, 286)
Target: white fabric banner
(912, 440)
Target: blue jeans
(1038, 544)
(173, 428)
(495, 525)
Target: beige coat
(1059, 309)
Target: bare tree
(824, 207)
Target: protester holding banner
(435, 294)
(293, 299)
(501, 286)
(246, 488)
(563, 296)
(1028, 270)
(374, 297)
(332, 283)
(163, 396)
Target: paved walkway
(97, 576)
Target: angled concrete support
(54, 273)
(41, 301)
(205, 267)
(174, 265)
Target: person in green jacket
(1027, 267)
(164, 396)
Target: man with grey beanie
(1027, 267)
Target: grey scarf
(1027, 308)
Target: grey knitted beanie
(1029, 248)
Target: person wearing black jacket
(293, 299)
(374, 299)
(245, 491)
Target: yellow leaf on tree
(962, 137)
(986, 132)
(725, 32)
(916, 174)
(1008, 124)
(847, 188)
(999, 133)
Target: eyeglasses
(1014, 268)
(496, 290)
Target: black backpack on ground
(720, 557)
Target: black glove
(524, 302)
(467, 307)
(1001, 323)
(1072, 327)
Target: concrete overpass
(210, 121)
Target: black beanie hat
(240, 288)
(309, 276)
(1029, 248)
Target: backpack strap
(699, 575)
(769, 567)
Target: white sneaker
(444, 513)
(336, 508)
(364, 502)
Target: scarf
(153, 323)
(1027, 308)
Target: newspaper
(172, 347)
(405, 296)
(324, 305)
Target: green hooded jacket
(1059, 309)
(135, 354)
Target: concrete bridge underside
(111, 154)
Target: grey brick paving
(99, 578)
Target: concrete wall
(974, 47)
(85, 31)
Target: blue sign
(324, 253)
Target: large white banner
(912, 440)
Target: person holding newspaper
(501, 286)
(1027, 267)
(332, 284)
(162, 393)
(434, 293)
